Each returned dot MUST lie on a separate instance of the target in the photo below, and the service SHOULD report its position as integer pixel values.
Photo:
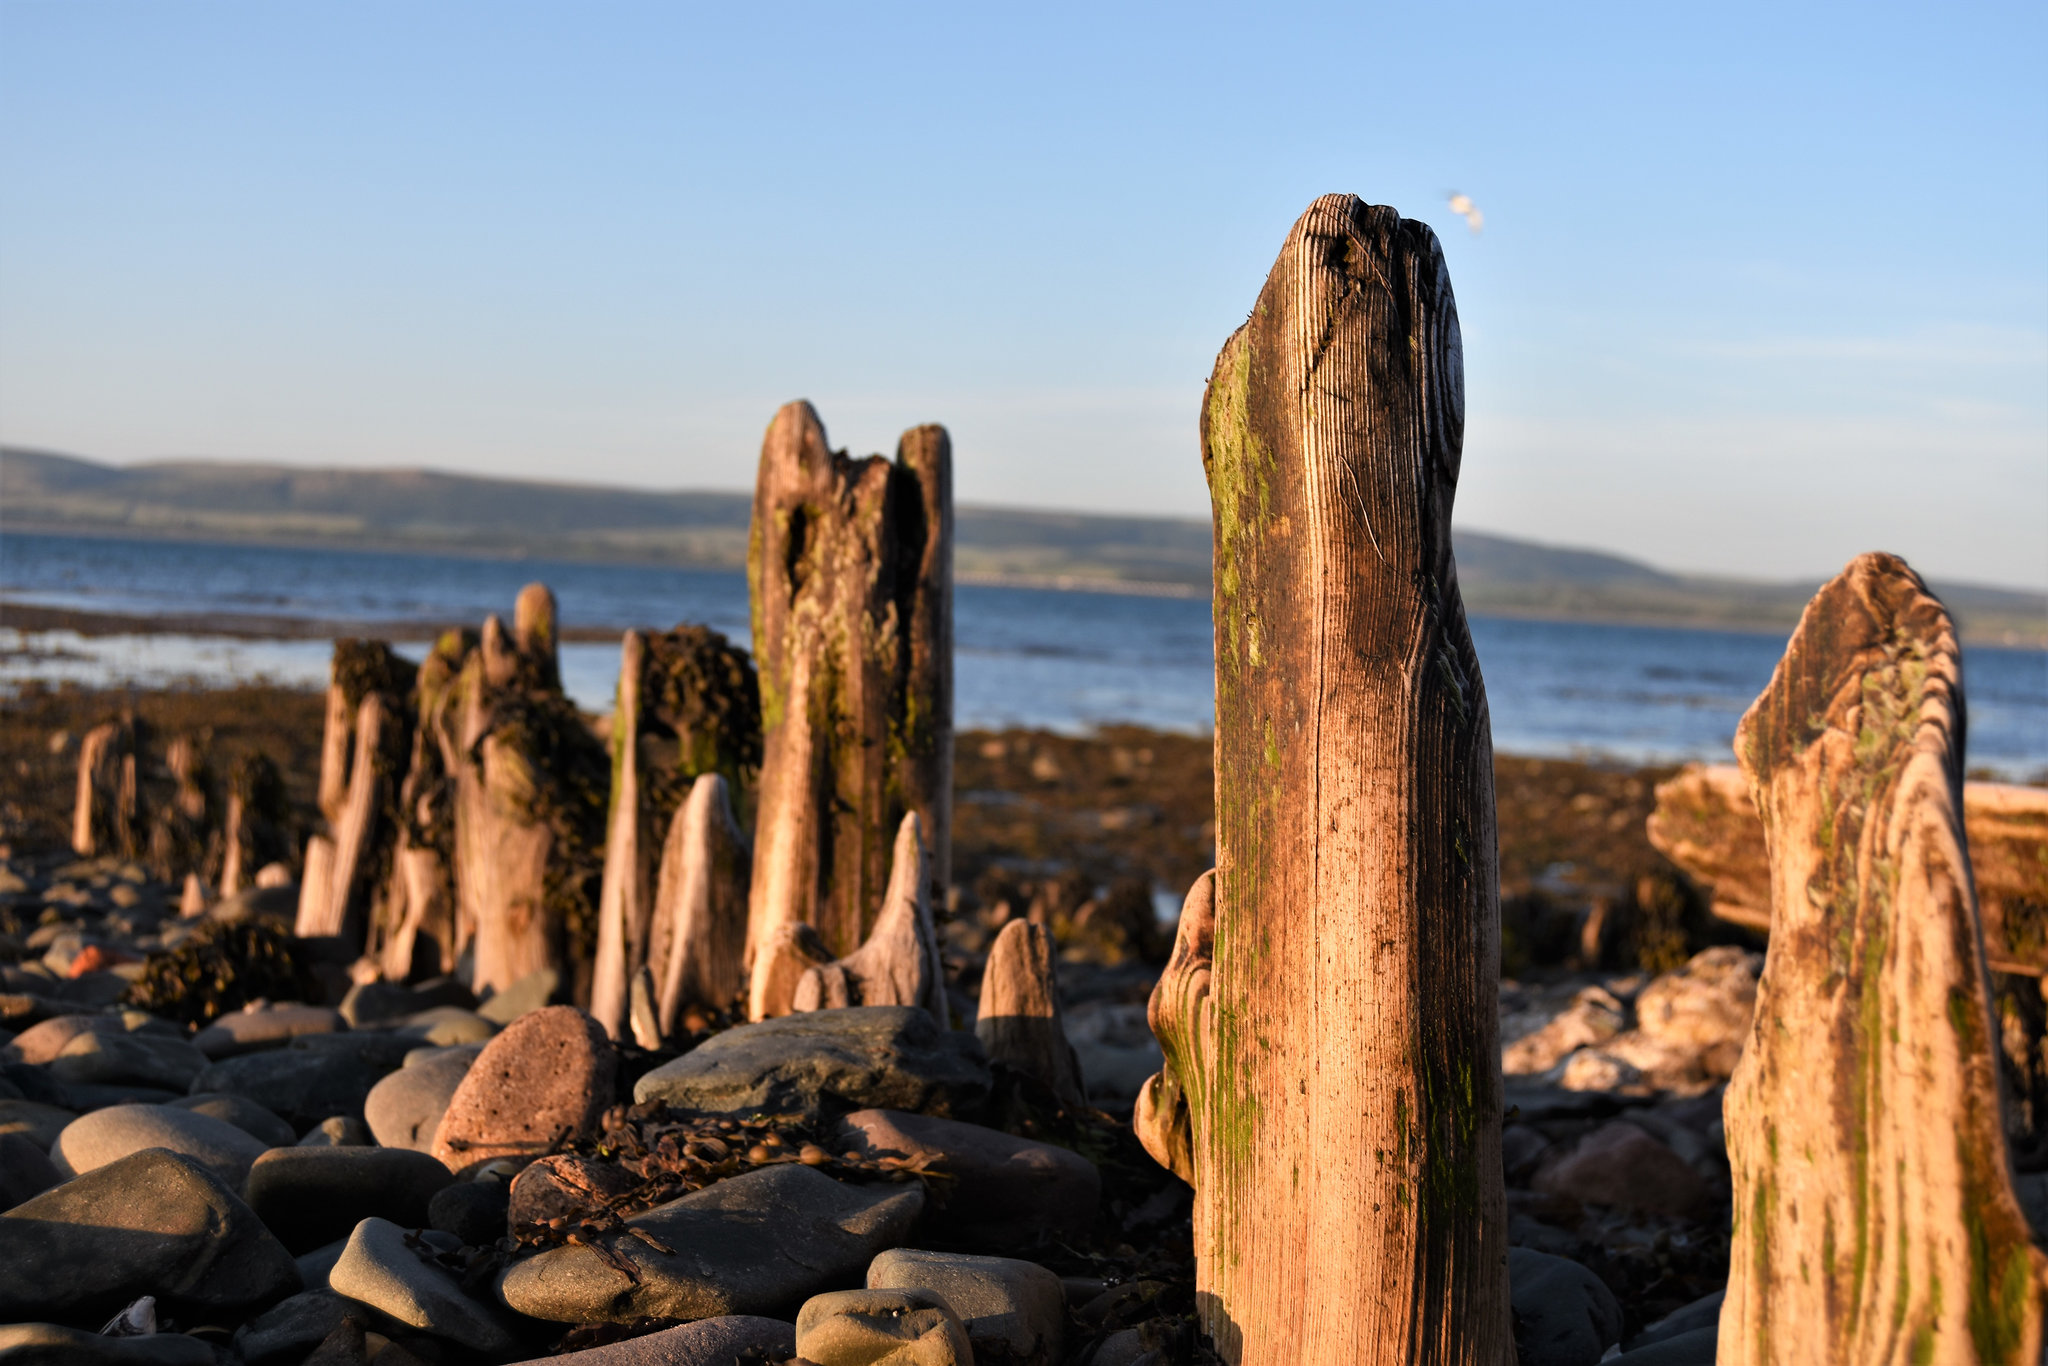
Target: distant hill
(411, 509)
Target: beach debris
(223, 967)
(1336, 1046)
(687, 705)
(363, 752)
(1019, 1020)
(1875, 1216)
(413, 930)
(851, 574)
(899, 964)
(698, 943)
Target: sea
(1061, 660)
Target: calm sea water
(1028, 657)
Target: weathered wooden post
(179, 826)
(898, 965)
(687, 705)
(413, 925)
(1337, 1051)
(107, 816)
(529, 806)
(1874, 1212)
(698, 947)
(368, 738)
(1018, 1020)
(850, 567)
(255, 830)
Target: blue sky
(1760, 287)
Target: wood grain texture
(699, 944)
(1346, 1120)
(1874, 1214)
(899, 963)
(1019, 1021)
(850, 574)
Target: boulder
(528, 994)
(1704, 1008)
(404, 1109)
(244, 1114)
(39, 1123)
(92, 1141)
(826, 1061)
(1014, 1312)
(1619, 1164)
(49, 1344)
(41, 1043)
(139, 1059)
(285, 1333)
(154, 1223)
(337, 1131)
(381, 1005)
(381, 1269)
(311, 1196)
(1592, 1018)
(316, 1076)
(1704, 1312)
(477, 1211)
(1564, 1314)
(756, 1243)
(25, 1170)
(250, 1031)
(1007, 1191)
(1699, 1347)
(447, 1026)
(896, 1327)
(550, 1075)
(707, 1342)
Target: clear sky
(1760, 286)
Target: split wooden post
(413, 929)
(850, 568)
(698, 946)
(899, 964)
(107, 816)
(1341, 1071)
(1874, 1212)
(687, 704)
(368, 738)
(1019, 1020)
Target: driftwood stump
(107, 817)
(687, 705)
(1018, 1020)
(255, 830)
(1706, 823)
(414, 931)
(363, 755)
(529, 807)
(698, 948)
(850, 570)
(899, 964)
(1341, 1071)
(1874, 1212)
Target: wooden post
(107, 816)
(699, 942)
(414, 932)
(850, 571)
(1874, 1213)
(1019, 1021)
(529, 807)
(1706, 823)
(687, 705)
(1342, 1070)
(255, 829)
(899, 964)
(181, 825)
(371, 694)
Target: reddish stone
(546, 1079)
(1619, 1164)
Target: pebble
(1704, 1312)
(707, 1342)
(379, 1005)
(823, 1061)
(140, 1059)
(25, 1170)
(477, 1211)
(550, 1074)
(1696, 1348)
(94, 1140)
(446, 1026)
(316, 1266)
(316, 1076)
(154, 1223)
(1619, 1164)
(250, 1031)
(338, 1131)
(41, 1043)
(40, 1123)
(405, 1108)
(47, 1344)
(1564, 1314)
(528, 994)
(285, 1333)
(755, 1243)
(311, 1196)
(380, 1269)
(1013, 1311)
(1007, 1190)
(857, 1327)
(244, 1114)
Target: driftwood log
(1875, 1219)
(529, 807)
(899, 964)
(107, 816)
(1706, 823)
(1337, 1051)
(363, 754)
(687, 705)
(1018, 1020)
(698, 946)
(850, 571)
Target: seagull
(1462, 205)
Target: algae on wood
(1338, 1048)
(362, 761)
(850, 573)
(1875, 1219)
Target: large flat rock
(825, 1062)
(760, 1243)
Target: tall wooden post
(1337, 1049)
(362, 761)
(850, 570)
(1874, 1211)
(413, 928)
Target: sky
(1759, 286)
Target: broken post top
(1873, 663)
